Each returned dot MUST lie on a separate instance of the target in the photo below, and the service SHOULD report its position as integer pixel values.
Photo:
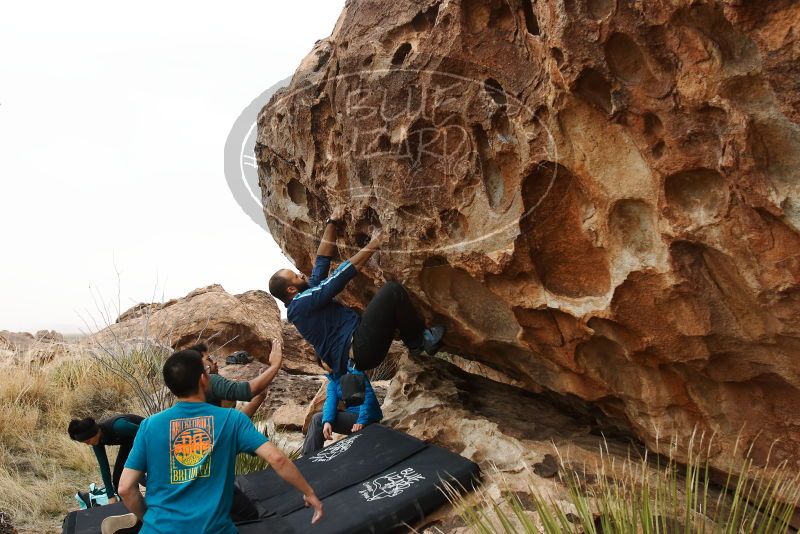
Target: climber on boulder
(338, 333)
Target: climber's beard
(302, 286)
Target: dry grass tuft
(41, 468)
(646, 496)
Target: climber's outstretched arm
(327, 247)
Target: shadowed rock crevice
(595, 89)
(531, 22)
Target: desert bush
(137, 363)
(645, 496)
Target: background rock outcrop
(598, 198)
(226, 323)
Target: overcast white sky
(113, 120)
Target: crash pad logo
(191, 443)
(337, 449)
(390, 485)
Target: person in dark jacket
(118, 430)
(338, 333)
(331, 420)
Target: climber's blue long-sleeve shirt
(325, 323)
(368, 412)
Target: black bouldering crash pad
(88, 521)
(377, 480)
(392, 500)
(342, 464)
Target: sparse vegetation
(41, 468)
(648, 496)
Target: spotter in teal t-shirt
(189, 454)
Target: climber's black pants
(389, 311)
(119, 464)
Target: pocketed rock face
(597, 198)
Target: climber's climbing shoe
(433, 339)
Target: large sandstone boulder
(598, 198)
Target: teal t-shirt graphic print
(192, 441)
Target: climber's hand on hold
(357, 427)
(338, 213)
(362, 256)
(327, 431)
(378, 237)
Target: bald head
(285, 284)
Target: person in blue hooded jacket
(331, 420)
(341, 336)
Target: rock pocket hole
(384, 145)
(658, 149)
(633, 223)
(361, 239)
(366, 224)
(297, 192)
(425, 20)
(626, 59)
(653, 125)
(566, 258)
(495, 91)
(493, 181)
(479, 15)
(594, 89)
(454, 223)
(699, 195)
(558, 55)
(400, 54)
(531, 22)
(600, 9)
